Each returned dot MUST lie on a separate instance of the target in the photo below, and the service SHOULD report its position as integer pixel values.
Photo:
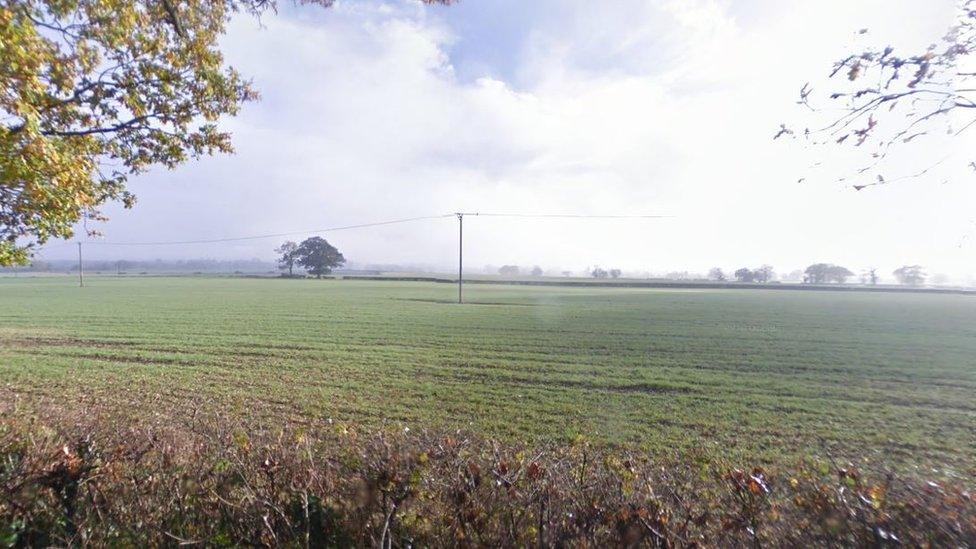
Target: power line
(459, 215)
(363, 226)
(567, 216)
(276, 235)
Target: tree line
(147, 266)
(317, 257)
(822, 273)
(817, 273)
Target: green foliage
(508, 270)
(287, 256)
(317, 256)
(825, 273)
(912, 275)
(94, 91)
(745, 275)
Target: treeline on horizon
(181, 266)
(127, 266)
(316, 256)
(819, 273)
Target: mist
(377, 111)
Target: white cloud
(617, 107)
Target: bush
(105, 478)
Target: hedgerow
(99, 477)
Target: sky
(375, 110)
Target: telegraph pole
(81, 272)
(460, 217)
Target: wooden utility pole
(460, 217)
(81, 271)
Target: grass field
(765, 376)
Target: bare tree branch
(909, 97)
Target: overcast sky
(375, 110)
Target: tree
(614, 273)
(764, 274)
(911, 275)
(823, 273)
(796, 275)
(537, 271)
(509, 270)
(597, 272)
(889, 99)
(839, 274)
(745, 275)
(716, 274)
(95, 91)
(318, 257)
(287, 255)
(870, 276)
(816, 273)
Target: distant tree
(597, 272)
(716, 274)
(318, 257)
(287, 255)
(567, 273)
(838, 274)
(870, 276)
(614, 273)
(795, 275)
(816, 273)
(509, 270)
(911, 275)
(745, 275)
(824, 273)
(537, 271)
(764, 274)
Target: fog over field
(718, 283)
(382, 110)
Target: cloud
(377, 110)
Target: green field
(765, 376)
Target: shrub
(106, 478)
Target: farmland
(763, 376)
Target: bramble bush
(100, 477)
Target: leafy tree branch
(888, 100)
